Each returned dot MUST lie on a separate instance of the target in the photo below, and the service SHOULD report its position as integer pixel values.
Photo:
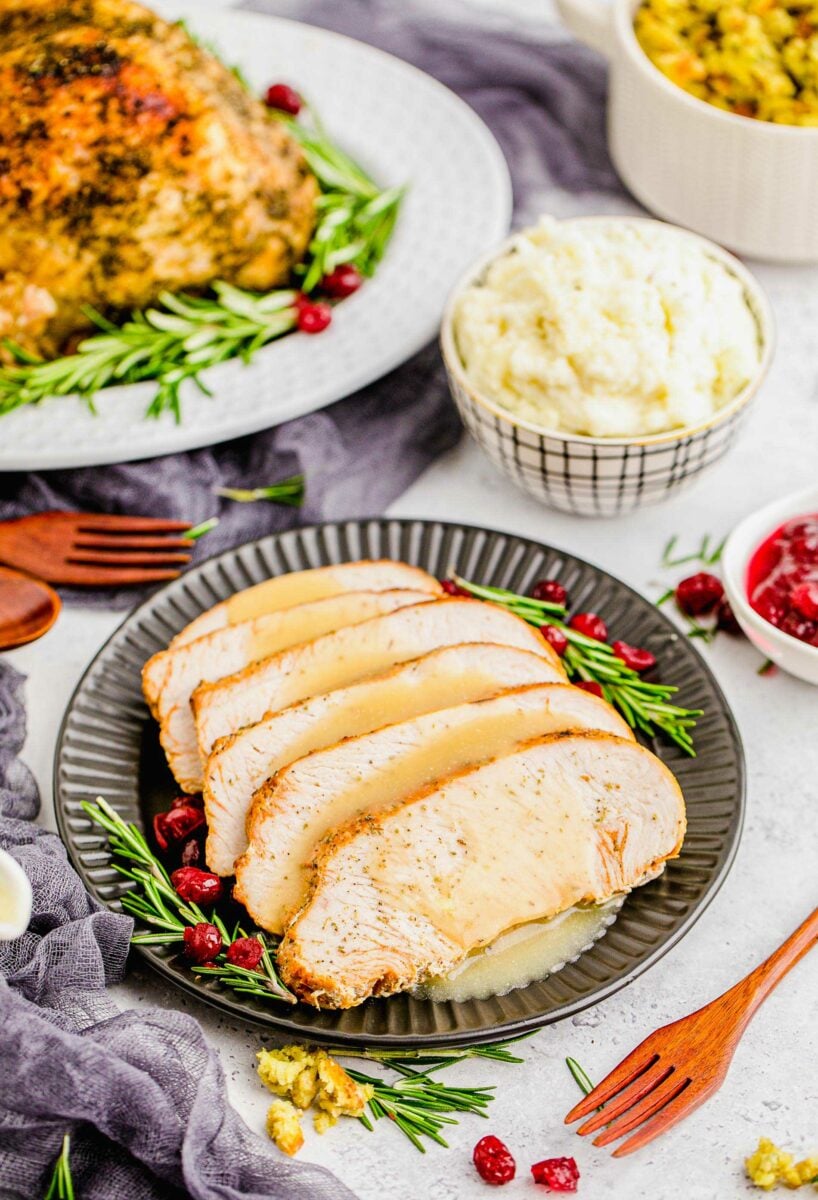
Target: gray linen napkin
(141, 1093)
(544, 101)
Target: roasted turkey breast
(405, 894)
(366, 774)
(131, 160)
(300, 587)
(170, 677)
(346, 656)
(242, 762)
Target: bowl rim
(739, 548)
(758, 304)
(624, 13)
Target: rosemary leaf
(61, 1186)
(582, 1080)
(200, 530)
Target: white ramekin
(787, 652)
(751, 185)
(15, 898)
(600, 476)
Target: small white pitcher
(15, 898)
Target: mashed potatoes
(609, 329)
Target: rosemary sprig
(182, 335)
(437, 1058)
(419, 1105)
(288, 491)
(645, 706)
(706, 555)
(355, 218)
(61, 1186)
(169, 343)
(154, 902)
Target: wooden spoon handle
(750, 993)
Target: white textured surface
(402, 126)
(773, 1087)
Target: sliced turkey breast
(301, 587)
(242, 762)
(169, 678)
(372, 772)
(344, 657)
(405, 894)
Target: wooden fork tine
(637, 1061)
(124, 558)
(640, 1086)
(80, 575)
(127, 541)
(676, 1110)
(104, 522)
(671, 1087)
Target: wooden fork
(94, 549)
(681, 1065)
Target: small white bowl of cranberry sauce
(771, 578)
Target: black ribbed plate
(109, 746)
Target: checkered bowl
(602, 476)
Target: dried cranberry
(312, 316)
(284, 98)
(634, 656)
(804, 599)
(202, 942)
(192, 853)
(555, 638)
(558, 1174)
(590, 685)
(493, 1160)
(590, 625)
(453, 589)
(699, 594)
(177, 825)
(551, 591)
(726, 619)
(341, 282)
(188, 802)
(245, 952)
(200, 887)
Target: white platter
(404, 127)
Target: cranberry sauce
(782, 578)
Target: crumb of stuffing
(305, 1078)
(769, 1166)
(284, 1126)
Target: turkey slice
(302, 587)
(170, 677)
(344, 657)
(367, 774)
(401, 895)
(242, 762)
